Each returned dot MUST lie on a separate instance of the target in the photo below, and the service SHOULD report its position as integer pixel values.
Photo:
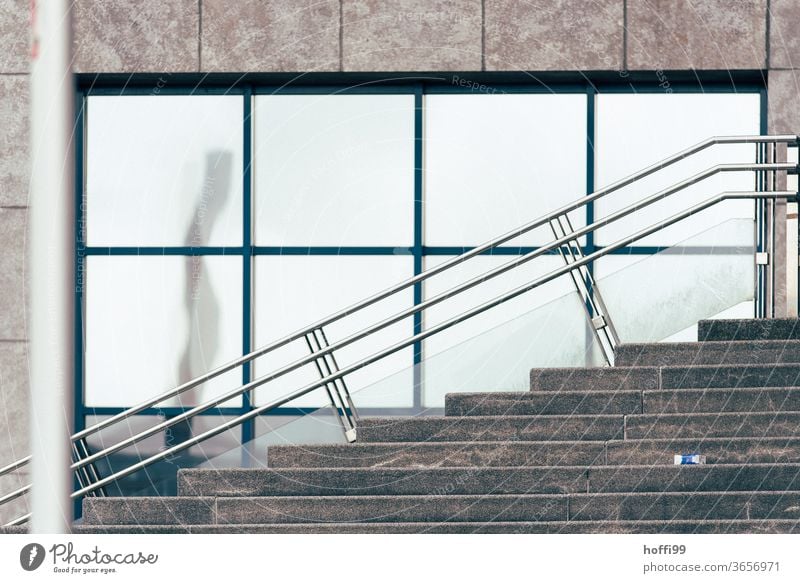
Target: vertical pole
(792, 262)
(779, 232)
(418, 218)
(51, 266)
(248, 427)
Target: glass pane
(292, 292)
(164, 170)
(637, 130)
(334, 170)
(653, 298)
(155, 322)
(495, 162)
(482, 367)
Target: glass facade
(213, 224)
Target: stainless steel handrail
(430, 332)
(666, 162)
(435, 271)
(425, 305)
(755, 167)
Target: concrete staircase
(586, 450)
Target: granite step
(615, 378)
(491, 428)
(699, 353)
(718, 450)
(766, 399)
(741, 330)
(730, 376)
(747, 400)
(442, 454)
(685, 506)
(779, 424)
(473, 480)
(651, 378)
(770, 526)
(543, 403)
(451, 508)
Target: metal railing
(771, 168)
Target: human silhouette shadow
(200, 302)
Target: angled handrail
(420, 307)
(337, 374)
(776, 195)
(787, 139)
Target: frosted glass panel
(653, 298)
(637, 130)
(292, 292)
(155, 322)
(495, 162)
(164, 170)
(334, 169)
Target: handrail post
(783, 234)
(792, 258)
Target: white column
(50, 265)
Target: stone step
(760, 329)
(506, 428)
(455, 508)
(730, 376)
(648, 378)
(719, 450)
(473, 480)
(747, 400)
(780, 424)
(699, 353)
(771, 526)
(721, 400)
(685, 506)
(615, 378)
(432, 454)
(543, 403)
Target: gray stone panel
(270, 35)
(783, 113)
(548, 35)
(784, 34)
(411, 35)
(14, 140)
(130, 37)
(14, 36)
(12, 261)
(696, 34)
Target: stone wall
(366, 35)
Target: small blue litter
(689, 459)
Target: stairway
(586, 450)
